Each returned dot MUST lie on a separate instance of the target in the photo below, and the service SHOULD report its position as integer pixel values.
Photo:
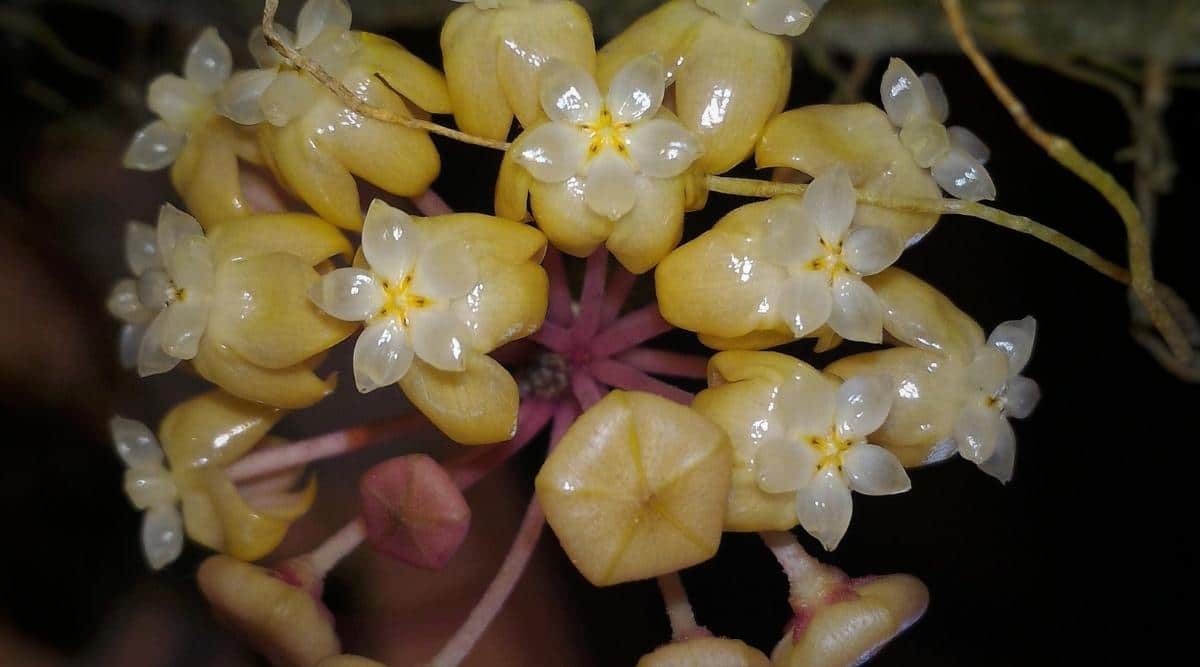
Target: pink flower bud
(413, 511)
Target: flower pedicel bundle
(471, 316)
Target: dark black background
(1087, 553)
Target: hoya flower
(917, 106)
(182, 487)
(436, 295)
(603, 170)
(952, 389)
(791, 264)
(149, 486)
(815, 139)
(730, 61)
(201, 147)
(800, 442)
(233, 302)
(995, 392)
(311, 140)
(636, 488)
(493, 52)
(172, 295)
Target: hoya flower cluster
(471, 317)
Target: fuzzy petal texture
(475, 406)
(859, 137)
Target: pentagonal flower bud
(637, 488)
(705, 652)
(413, 511)
(281, 622)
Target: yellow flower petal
(476, 406)
(486, 235)
(262, 311)
(214, 428)
(758, 340)
(636, 488)
(917, 314)
(294, 387)
(469, 53)
(308, 170)
(397, 159)
(705, 652)
(731, 83)
(206, 174)
(655, 32)
(929, 393)
(308, 237)
(512, 186)
(510, 304)
(719, 284)
(561, 211)
(644, 236)
(530, 36)
(247, 533)
(280, 621)
(860, 138)
(412, 77)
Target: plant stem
(339, 545)
(1065, 153)
(679, 609)
(620, 285)
(663, 362)
(497, 593)
(591, 298)
(630, 331)
(757, 188)
(469, 468)
(429, 203)
(276, 459)
(585, 389)
(617, 374)
(559, 311)
(808, 578)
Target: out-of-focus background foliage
(1081, 556)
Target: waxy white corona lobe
(917, 105)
